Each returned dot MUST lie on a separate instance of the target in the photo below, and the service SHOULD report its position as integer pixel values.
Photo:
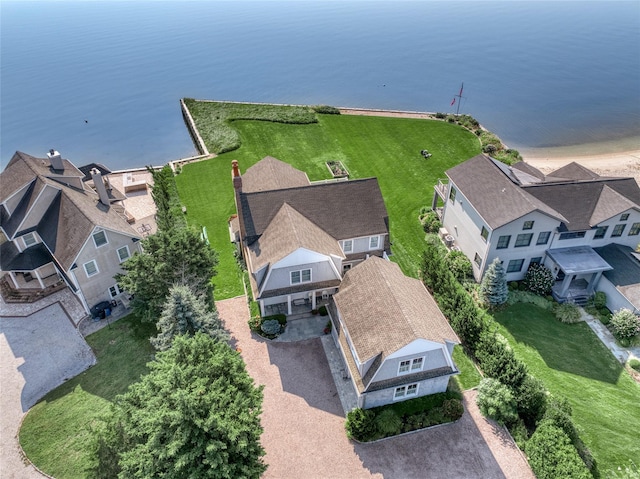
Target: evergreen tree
(184, 313)
(195, 414)
(165, 195)
(493, 289)
(179, 256)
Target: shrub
(599, 299)
(531, 400)
(498, 360)
(440, 115)
(493, 288)
(326, 109)
(634, 364)
(551, 454)
(567, 313)
(496, 401)
(388, 422)
(430, 222)
(360, 424)
(625, 324)
(538, 279)
(270, 327)
(527, 297)
(322, 310)
(519, 433)
(254, 323)
(459, 265)
(453, 409)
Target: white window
(374, 241)
(347, 246)
(302, 276)
(123, 253)
(91, 268)
(405, 391)
(29, 239)
(114, 290)
(100, 238)
(410, 365)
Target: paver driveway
(37, 353)
(304, 425)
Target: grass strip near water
(387, 148)
(56, 433)
(573, 363)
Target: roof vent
(56, 160)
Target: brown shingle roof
(345, 209)
(272, 174)
(384, 310)
(496, 198)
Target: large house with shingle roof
(62, 226)
(393, 338)
(521, 216)
(298, 237)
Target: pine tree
(195, 414)
(184, 313)
(493, 289)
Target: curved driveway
(304, 424)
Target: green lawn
(469, 376)
(572, 362)
(387, 148)
(55, 433)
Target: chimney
(235, 174)
(56, 160)
(98, 184)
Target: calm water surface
(101, 81)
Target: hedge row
(478, 332)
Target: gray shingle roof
(384, 310)
(625, 275)
(346, 209)
(272, 174)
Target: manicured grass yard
(572, 362)
(387, 148)
(469, 376)
(56, 433)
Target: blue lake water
(101, 81)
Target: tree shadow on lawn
(572, 348)
(304, 371)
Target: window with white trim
(100, 239)
(410, 365)
(302, 276)
(91, 267)
(416, 364)
(115, 290)
(374, 241)
(123, 253)
(29, 239)
(347, 246)
(404, 367)
(405, 391)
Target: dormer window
(29, 239)
(410, 365)
(347, 246)
(302, 276)
(100, 239)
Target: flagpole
(459, 99)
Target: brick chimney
(235, 174)
(56, 160)
(101, 189)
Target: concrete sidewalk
(621, 354)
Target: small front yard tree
(493, 289)
(195, 414)
(539, 279)
(184, 313)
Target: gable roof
(345, 209)
(287, 232)
(272, 174)
(497, 198)
(70, 216)
(574, 171)
(625, 275)
(384, 310)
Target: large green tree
(165, 195)
(179, 256)
(196, 414)
(185, 313)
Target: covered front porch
(578, 270)
(295, 304)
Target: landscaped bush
(531, 400)
(634, 364)
(270, 327)
(360, 424)
(498, 360)
(453, 409)
(388, 422)
(552, 456)
(539, 279)
(599, 299)
(274, 324)
(517, 296)
(567, 313)
(625, 324)
(430, 221)
(326, 109)
(496, 401)
(459, 265)
(322, 310)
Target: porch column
(261, 303)
(38, 278)
(595, 277)
(434, 202)
(313, 300)
(13, 279)
(565, 284)
(288, 304)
